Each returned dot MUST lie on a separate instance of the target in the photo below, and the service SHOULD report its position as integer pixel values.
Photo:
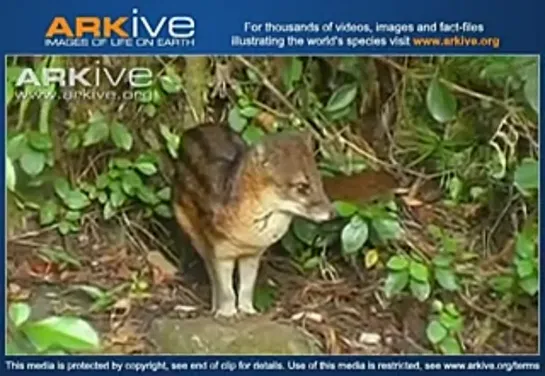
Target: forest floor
(346, 313)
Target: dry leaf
(411, 201)
(162, 268)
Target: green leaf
(236, 121)
(341, 98)
(420, 290)
(249, 111)
(108, 210)
(40, 141)
(530, 284)
(291, 244)
(312, 263)
(387, 228)
(395, 282)
(121, 163)
(147, 168)
(446, 278)
(441, 103)
(11, 176)
(102, 181)
(525, 245)
(163, 210)
(165, 194)
(526, 175)
(117, 198)
(94, 292)
(131, 182)
(48, 212)
(305, 230)
(96, 132)
(72, 215)
(450, 346)
(17, 145)
(265, 297)
(147, 195)
(171, 83)
(69, 333)
(419, 271)
(531, 87)
(150, 110)
(525, 268)
(73, 141)
(452, 323)
(502, 284)
(398, 263)
(354, 235)
(252, 134)
(62, 187)
(102, 197)
(436, 332)
(442, 260)
(76, 200)
(345, 209)
(19, 313)
(455, 186)
(292, 73)
(10, 92)
(450, 308)
(32, 162)
(121, 136)
(64, 227)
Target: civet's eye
(303, 188)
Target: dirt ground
(342, 312)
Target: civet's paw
(248, 310)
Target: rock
(205, 335)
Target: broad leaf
(96, 132)
(76, 200)
(446, 278)
(345, 209)
(69, 333)
(236, 121)
(354, 235)
(11, 176)
(32, 162)
(396, 282)
(19, 313)
(436, 332)
(121, 136)
(342, 97)
(526, 175)
(48, 212)
(398, 263)
(40, 141)
(450, 346)
(420, 290)
(441, 102)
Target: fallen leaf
(369, 338)
(17, 293)
(411, 201)
(162, 268)
(185, 308)
(120, 310)
(313, 316)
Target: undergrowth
(468, 123)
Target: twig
(523, 329)
(448, 83)
(269, 85)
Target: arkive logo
(129, 31)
